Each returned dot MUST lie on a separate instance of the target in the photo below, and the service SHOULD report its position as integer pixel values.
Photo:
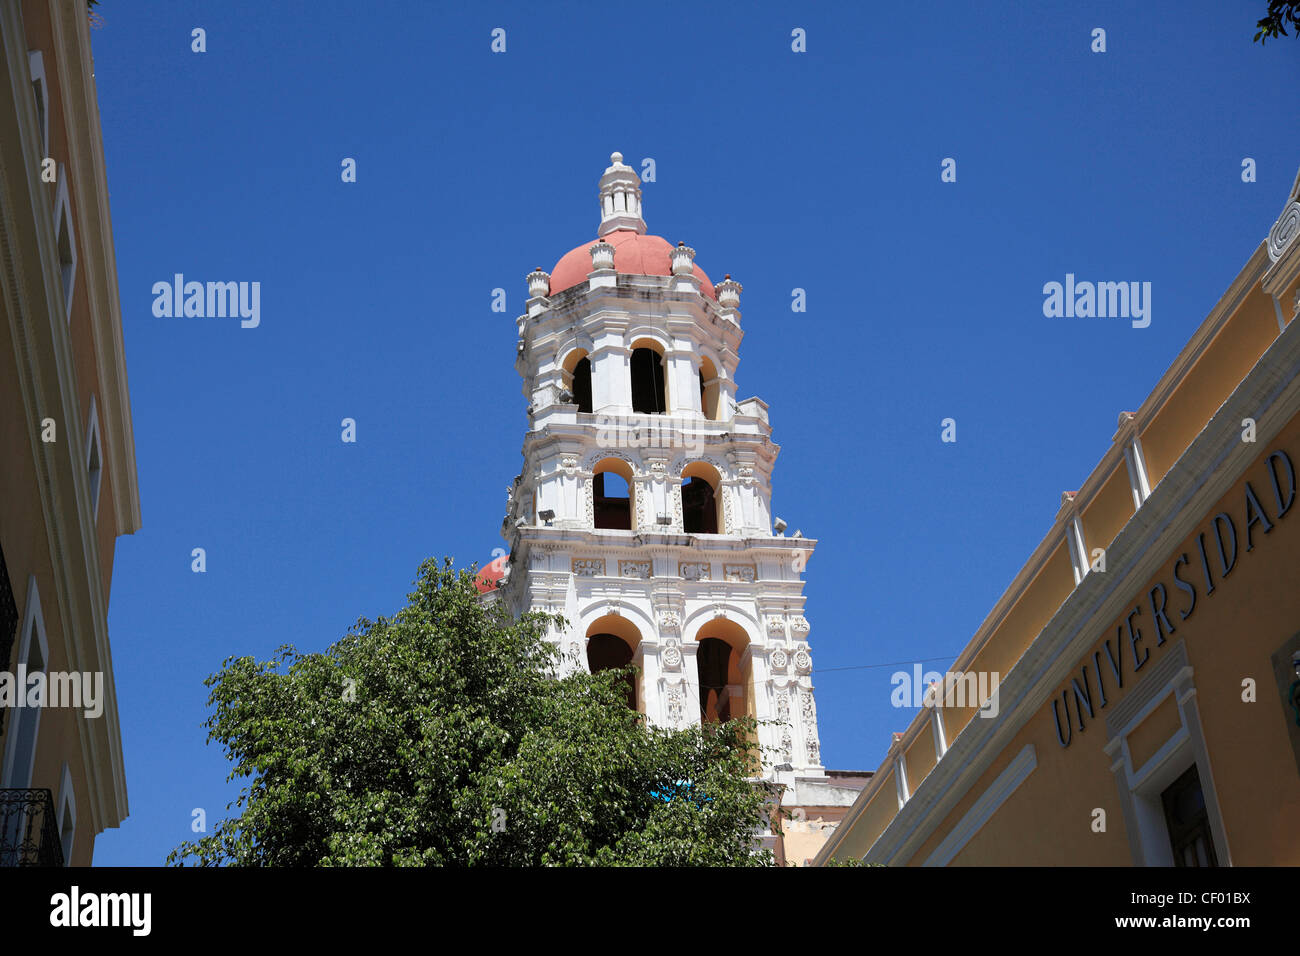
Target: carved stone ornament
(806, 709)
(588, 567)
(738, 573)
(694, 570)
(802, 662)
(672, 656)
(799, 624)
(668, 621)
(775, 626)
(1284, 231)
(634, 569)
(787, 746)
(779, 661)
(676, 707)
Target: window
(648, 394)
(577, 378)
(611, 495)
(94, 458)
(699, 510)
(612, 642)
(709, 389)
(36, 65)
(67, 818)
(33, 651)
(714, 663)
(582, 384)
(66, 242)
(700, 499)
(723, 671)
(1188, 821)
(609, 652)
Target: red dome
(634, 254)
(489, 579)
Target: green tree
(440, 737)
(1280, 13)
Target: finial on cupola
(539, 283)
(620, 198)
(683, 259)
(728, 293)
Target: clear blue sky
(818, 170)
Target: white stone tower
(643, 513)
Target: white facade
(658, 586)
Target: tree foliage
(1280, 14)
(440, 736)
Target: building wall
(1230, 634)
(61, 356)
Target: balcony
(29, 835)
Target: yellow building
(67, 456)
(1148, 653)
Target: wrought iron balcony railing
(29, 834)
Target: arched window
(611, 643)
(612, 495)
(608, 652)
(577, 378)
(582, 384)
(722, 671)
(648, 392)
(714, 660)
(33, 656)
(700, 499)
(709, 389)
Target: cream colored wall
(1227, 360)
(22, 515)
(1230, 636)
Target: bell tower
(643, 510)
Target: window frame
(95, 465)
(33, 628)
(36, 67)
(63, 217)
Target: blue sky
(818, 170)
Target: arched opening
(701, 513)
(722, 671)
(709, 389)
(612, 641)
(649, 393)
(607, 652)
(577, 378)
(714, 659)
(612, 495)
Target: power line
(863, 667)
